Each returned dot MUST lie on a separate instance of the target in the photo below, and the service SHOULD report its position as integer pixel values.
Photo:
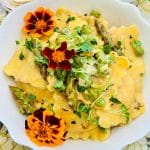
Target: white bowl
(117, 13)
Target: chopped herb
(107, 49)
(60, 74)
(118, 50)
(100, 102)
(28, 44)
(95, 121)
(42, 60)
(59, 85)
(83, 108)
(77, 29)
(17, 42)
(65, 31)
(70, 18)
(81, 88)
(119, 43)
(93, 42)
(86, 29)
(141, 74)
(130, 66)
(73, 122)
(102, 129)
(78, 113)
(21, 56)
(56, 29)
(95, 13)
(131, 37)
(50, 107)
(138, 49)
(48, 43)
(115, 100)
(50, 71)
(125, 110)
(31, 97)
(85, 47)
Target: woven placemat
(6, 143)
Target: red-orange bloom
(45, 129)
(59, 58)
(39, 23)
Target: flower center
(58, 56)
(40, 24)
(44, 132)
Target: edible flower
(45, 129)
(59, 58)
(39, 23)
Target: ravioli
(25, 70)
(136, 70)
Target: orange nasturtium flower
(39, 23)
(45, 129)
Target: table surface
(6, 143)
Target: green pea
(138, 49)
(86, 29)
(101, 102)
(107, 49)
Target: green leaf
(81, 88)
(29, 44)
(85, 47)
(78, 113)
(77, 29)
(124, 108)
(42, 60)
(59, 85)
(115, 100)
(70, 18)
(48, 43)
(50, 71)
(83, 108)
(31, 97)
(125, 111)
(56, 29)
(60, 74)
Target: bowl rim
(6, 19)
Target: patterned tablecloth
(6, 143)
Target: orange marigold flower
(39, 23)
(60, 57)
(45, 129)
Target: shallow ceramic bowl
(117, 13)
